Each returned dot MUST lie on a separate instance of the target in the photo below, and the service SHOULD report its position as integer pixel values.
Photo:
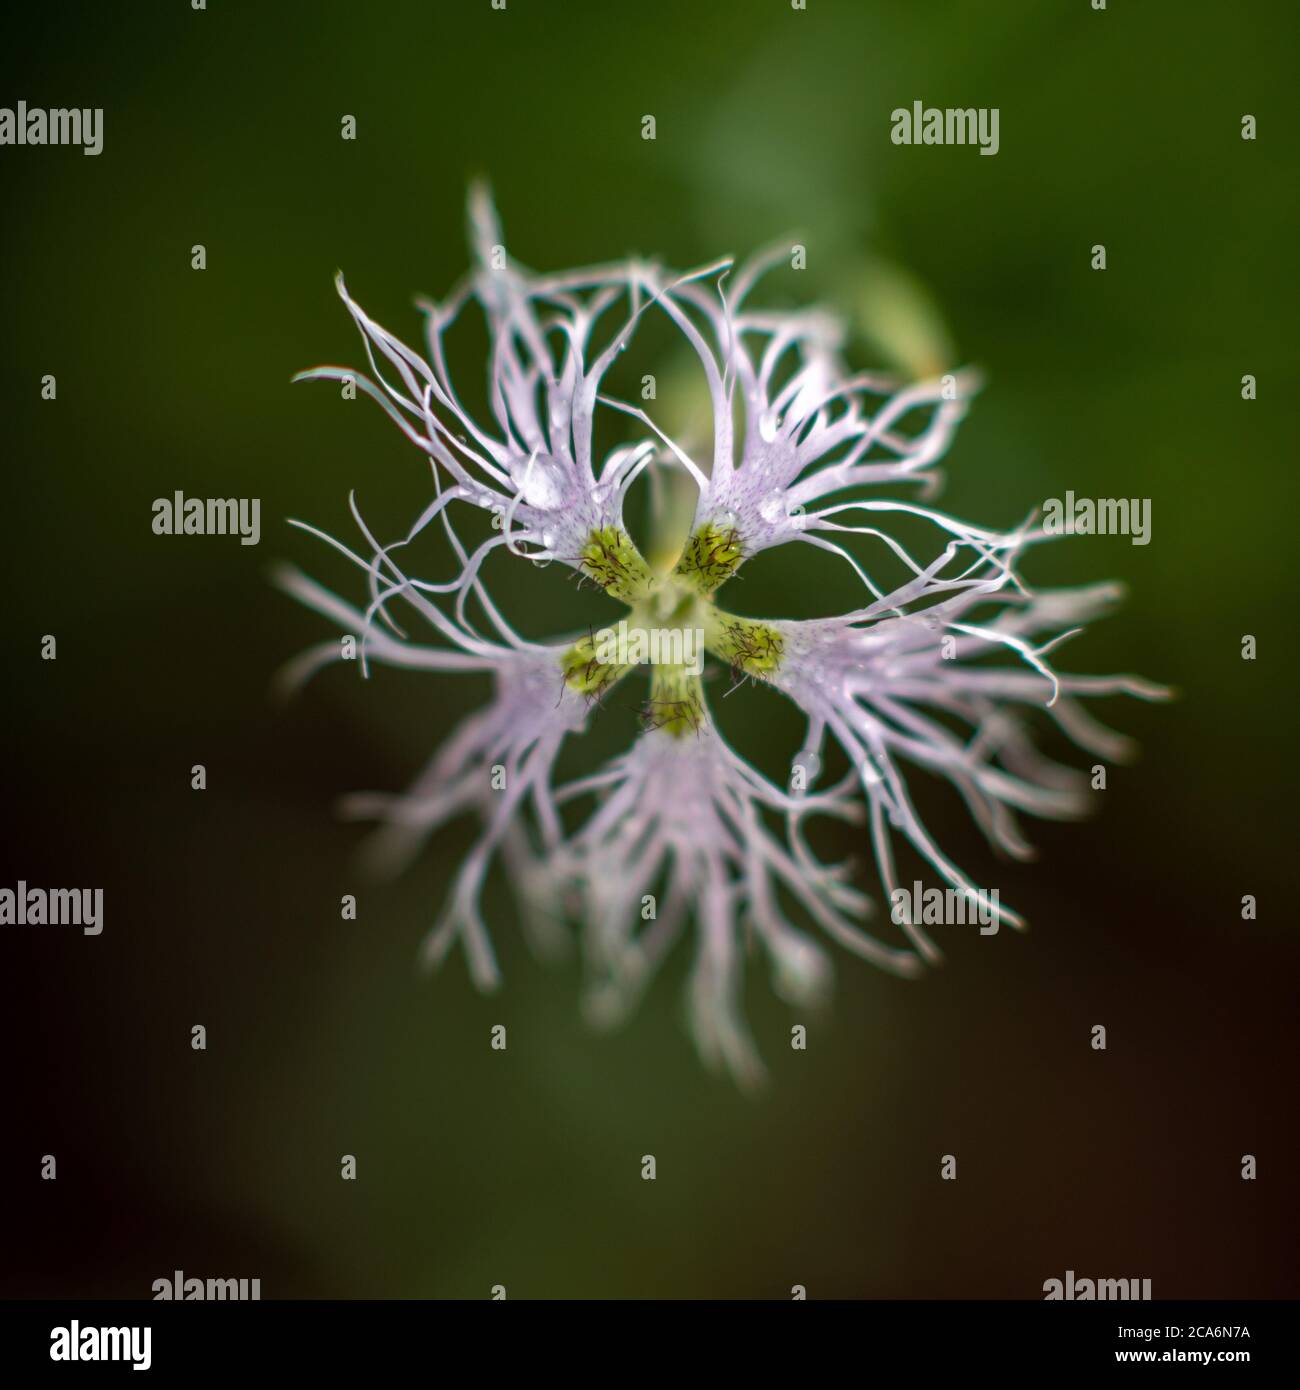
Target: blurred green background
(479, 1168)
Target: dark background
(523, 1168)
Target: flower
(494, 761)
(534, 467)
(689, 812)
(882, 681)
(809, 437)
(679, 831)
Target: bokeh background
(523, 1169)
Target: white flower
(678, 831)
(493, 764)
(534, 467)
(811, 430)
(889, 682)
(688, 813)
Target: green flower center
(672, 621)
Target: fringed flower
(680, 833)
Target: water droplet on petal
(541, 480)
(772, 508)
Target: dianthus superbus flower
(679, 836)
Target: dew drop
(772, 508)
(542, 481)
